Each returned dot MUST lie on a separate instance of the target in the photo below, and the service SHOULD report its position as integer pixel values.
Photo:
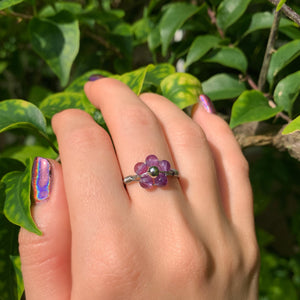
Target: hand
(193, 239)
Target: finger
(45, 259)
(192, 155)
(98, 203)
(135, 130)
(232, 169)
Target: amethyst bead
(140, 168)
(161, 180)
(146, 181)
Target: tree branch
(287, 11)
(269, 51)
(264, 134)
(15, 14)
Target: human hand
(193, 239)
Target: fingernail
(41, 179)
(95, 77)
(207, 104)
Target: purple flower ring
(152, 172)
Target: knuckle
(189, 135)
(137, 116)
(188, 261)
(87, 135)
(252, 258)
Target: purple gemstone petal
(161, 180)
(164, 166)
(152, 160)
(146, 181)
(140, 168)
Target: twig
(269, 51)
(213, 20)
(104, 43)
(287, 11)
(15, 14)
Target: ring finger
(135, 132)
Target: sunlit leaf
(223, 86)
(251, 106)
(229, 11)
(56, 40)
(17, 198)
(200, 46)
(292, 126)
(65, 100)
(134, 79)
(16, 113)
(282, 57)
(229, 57)
(77, 85)
(156, 74)
(182, 89)
(175, 16)
(287, 91)
(8, 3)
(280, 4)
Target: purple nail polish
(41, 179)
(95, 77)
(207, 104)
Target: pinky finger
(46, 259)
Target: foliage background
(49, 48)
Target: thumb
(45, 259)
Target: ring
(152, 172)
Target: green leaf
(292, 126)
(200, 46)
(154, 38)
(251, 106)
(223, 86)
(135, 79)
(158, 72)
(65, 100)
(229, 11)
(22, 153)
(16, 261)
(182, 89)
(9, 283)
(292, 32)
(9, 164)
(56, 40)
(17, 199)
(229, 57)
(264, 20)
(174, 17)
(280, 4)
(287, 91)
(16, 113)
(8, 3)
(51, 10)
(77, 85)
(282, 57)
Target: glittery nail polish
(207, 104)
(95, 77)
(41, 179)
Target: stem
(213, 20)
(288, 11)
(269, 51)
(15, 14)
(49, 141)
(103, 42)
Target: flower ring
(152, 172)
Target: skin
(193, 239)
